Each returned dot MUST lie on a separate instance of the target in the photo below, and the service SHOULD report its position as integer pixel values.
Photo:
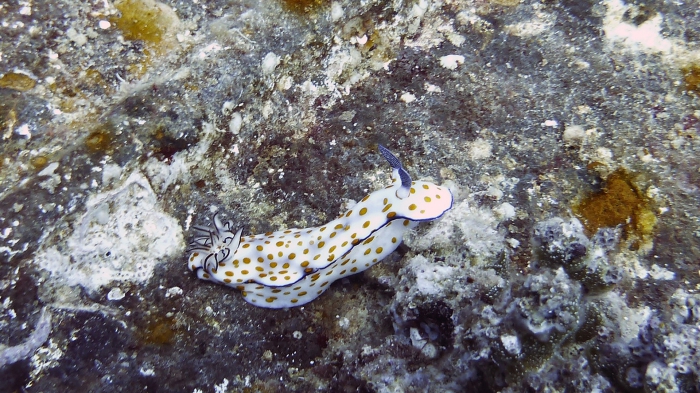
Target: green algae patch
(691, 77)
(304, 6)
(506, 3)
(620, 203)
(39, 162)
(17, 81)
(143, 20)
(159, 331)
(98, 141)
(153, 23)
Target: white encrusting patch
(122, 237)
(293, 267)
(269, 63)
(451, 61)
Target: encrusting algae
(620, 202)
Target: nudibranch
(293, 267)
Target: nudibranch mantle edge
(293, 267)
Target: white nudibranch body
(293, 267)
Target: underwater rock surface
(567, 132)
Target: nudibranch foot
(293, 267)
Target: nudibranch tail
(292, 267)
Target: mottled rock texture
(567, 131)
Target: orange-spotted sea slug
(293, 267)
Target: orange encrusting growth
(619, 203)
